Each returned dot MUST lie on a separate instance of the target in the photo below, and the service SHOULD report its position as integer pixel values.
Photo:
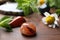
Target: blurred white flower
(42, 4)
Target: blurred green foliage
(55, 3)
(26, 5)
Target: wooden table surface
(43, 32)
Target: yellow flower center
(42, 2)
(50, 19)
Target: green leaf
(26, 5)
(51, 2)
(5, 23)
(5, 17)
(54, 3)
(58, 11)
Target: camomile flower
(42, 4)
(50, 19)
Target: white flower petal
(50, 25)
(46, 14)
(43, 20)
(54, 26)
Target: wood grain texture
(43, 32)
